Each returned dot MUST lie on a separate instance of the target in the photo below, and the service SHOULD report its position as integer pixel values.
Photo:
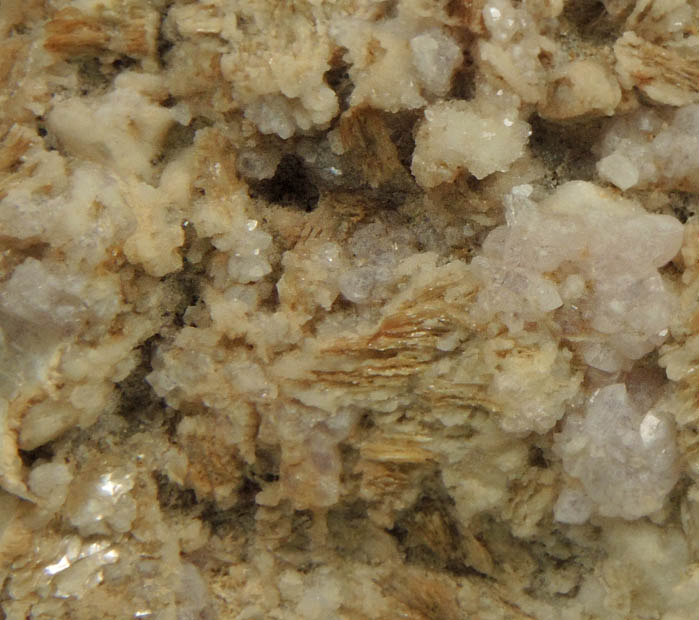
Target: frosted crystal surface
(573, 506)
(626, 459)
(597, 252)
(648, 148)
(435, 56)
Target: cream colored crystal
(276, 65)
(515, 49)
(480, 137)
(583, 87)
(397, 63)
(123, 130)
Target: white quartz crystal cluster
(649, 148)
(377, 251)
(590, 261)
(624, 458)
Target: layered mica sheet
(349, 309)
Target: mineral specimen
(346, 309)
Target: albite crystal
(481, 137)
